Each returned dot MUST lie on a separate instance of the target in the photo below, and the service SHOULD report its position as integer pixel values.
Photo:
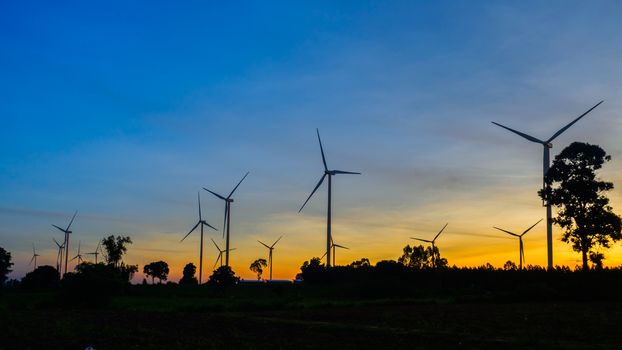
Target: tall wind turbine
(96, 252)
(66, 242)
(78, 256)
(220, 251)
(333, 247)
(521, 256)
(270, 248)
(546, 164)
(432, 242)
(227, 221)
(201, 223)
(59, 256)
(34, 256)
(330, 174)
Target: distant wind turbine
(201, 223)
(330, 174)
(227, 221)
(270, 249)
(545, 169)
(97, 251)
(78, 256)
(333, 246)
(521, 256)
(220, 251)
(59, 256)
(66, 242)
(34, 256)
(433, 243)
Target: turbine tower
(78, 256)
(330, 174)
(67, 232)
(433, 243)
(59, 256)
(220, 251)
(201, 223)
(270, 249)
(521, 256)
(34, 256)
(227, 221)
(546, 164)
(96, 252)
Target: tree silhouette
(420, 257)
(583, 210)
(158, 269)
(313, 270)
(257, 267)
(364, 262)
(5, 265)
(43, 277)
(510, 266)
(188, 275)
(115, 248)
(223, 276)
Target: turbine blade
(194, 228)
(321, 149)
(71, 222)
(230, 249)
(265, 245)
(322, 257)
(236, 186)
(508, 232)
(340, 246)
(530, 138)
(217, 259)
(439, 233)
(571, 123)
(215, 194)
(74, 258)
(61, 229)
(199, 200)
(208, 225)
(224, 222)
(217, 247)
(345, 172)
(55, 241)
(312, 192)
(277, 241)
(422, 240)
(534, 225)
(31, 260)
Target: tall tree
(257, 267)
(420, 257)
(5, 265)
(158, 269)
(188, 275)
(584, 212)
(115, 248)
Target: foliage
(223, 276)
(257, 267)
(312, 270)
(158, 269)
(583, 210)
(115, 248)
(5, 265)
(510, 266)
(43, 277)
(188, 275)
(420, 257)
(93, 284)
(363, 263)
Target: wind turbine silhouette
(270, 248)
(545, 169)
(66, 242)
(59, 256)
(78, 256)
(201, 223)
(227, 221)
(330, 174)
(333, 246)
(432, 242)
(220, 251)
(97, 251)
(34, 256)
(521, 256)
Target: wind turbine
(59, 256)
(78, 256)
(545, 169)
(201, 223)
(96, 252)
(66, 242)
(432, 242)
(521, 257)
(333, 246)
(270, 248)
(220, 251)
(330, 174)
(34, 256)
(227, 221)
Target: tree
(115, 248)
(584, 212)
(43, 277)
(419, 257)
(188, 275)
(223, 276)
(5, 265)
(364, 262)
(313, 270)
(257, 267)
(158, 269)
(510, 266)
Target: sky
(125, 110)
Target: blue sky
(125, 110)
